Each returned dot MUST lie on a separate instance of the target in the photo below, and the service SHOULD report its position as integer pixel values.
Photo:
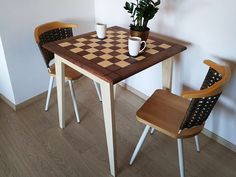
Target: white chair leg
(140, 142)
(74, 101)
(98, 89)
(152, 131)
(181, 157)
(49, 92)
(197, 143)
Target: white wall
(5, 82)
(209, 28)
(18, 19)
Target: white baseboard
(31, 100)
(8, 102)
(219, 139)
(25, 103)
(133, 90)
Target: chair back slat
(200, 108)
(50, 36)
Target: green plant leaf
(127, 6)
(157, 3)
(141, 12)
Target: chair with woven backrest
(179, 117)
(50, 32)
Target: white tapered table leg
(181, 157)
(109, 120)
(60, 77)
(197, 143)
(167, 70)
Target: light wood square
(152, 51)
(122, 57)
(110, 35)
(122, 64)
(90, 56)
(122, 40)
(164, 46)
(121, 50)
(79, 44)
(150, 41)
(93, 45)
(121, 36)
(110, 32)
(106, 56)
(107, 50)
(150, 46)
(139, 58)
(94, 35)
(81, 39)
(107, 45)
(105, 63)
(76, 50)
(121, 32)
(64, 44)
(122, 45)
(91, 50)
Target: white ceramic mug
(101, 30)
(134, 45)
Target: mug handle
(145, 44)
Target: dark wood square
(100, 47)
(98, 53)
(114, 47)
(130, 60)
(83, 53)
(96, 60)
(114, 60)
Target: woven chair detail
(200, 108)
(50, 36)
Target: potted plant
(141, 12)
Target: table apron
(81, 70)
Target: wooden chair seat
(165, 112)
(70, 74)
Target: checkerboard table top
(108, 58)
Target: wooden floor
(32, 145)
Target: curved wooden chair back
(205, 99)
(50, 32)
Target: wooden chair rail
(214, 89)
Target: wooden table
(107, 62)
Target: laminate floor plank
(23, 151)
(32, 144)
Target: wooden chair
(179, 117)
(54, 31)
